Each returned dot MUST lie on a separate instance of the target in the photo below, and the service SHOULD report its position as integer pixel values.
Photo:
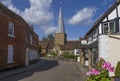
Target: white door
(27, 57)
(10, 54)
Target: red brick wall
(19, 41)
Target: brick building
(18, 41)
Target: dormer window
(11, 29)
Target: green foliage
(39, 49)
(117, 70)
(44, 39)
(101, 77)
(67, 55)
(52, 53)
(49, 37)
(100, 64)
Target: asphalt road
(52, 70)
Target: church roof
(60, 27)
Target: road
(52, 70)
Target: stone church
(60, 43)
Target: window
(109, 27)
(90, 37)
(27, 37)
(112, 26)
(10, 53)
(11, 29)
(105, 28)
(96, 34)
(31, 40)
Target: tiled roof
(70, 45)
(43, 44)
(51, 45)
(46, 44)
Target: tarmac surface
(47, 70)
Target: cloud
(83, 16)
(6, 2)
(9, 4)
(50, 30)
(39, 13)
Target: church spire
(60, 27)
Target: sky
(79, 15)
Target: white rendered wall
(119, 24)
(118, 10)
(112, 15)
(100, 29)
(105, 20)
(109, 49)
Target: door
(27, 57)
(10, 54)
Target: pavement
(11, 72)
(83, 70)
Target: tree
(49, 37)
(44, 38)
(39, 49)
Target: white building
(103, 39)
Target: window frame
(114, 27)
(105, 26)
(11, 27)
(108, 27)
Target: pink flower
(108, 66)
(88, 73)
(111, 69)
(93, 72)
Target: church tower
(60, 36)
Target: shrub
(117, 70)
(68, 55)
(99, 65)
(52, 53)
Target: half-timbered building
(103, 39)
